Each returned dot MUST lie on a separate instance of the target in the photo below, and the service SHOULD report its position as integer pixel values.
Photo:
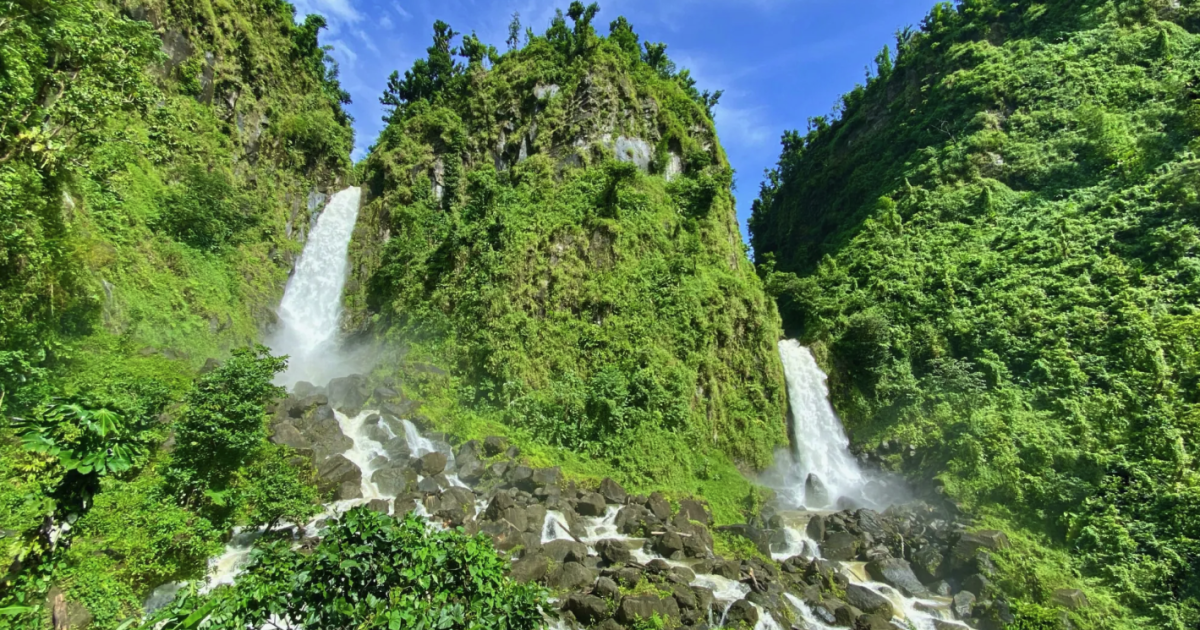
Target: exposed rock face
(896, 572)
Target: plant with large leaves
(85, 441)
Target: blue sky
(780, 62)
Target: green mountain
(994, 247)
(554, 226)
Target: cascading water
(821, 470)
(312, 303)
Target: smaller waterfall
(820, 472)
(312, 303)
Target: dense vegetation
(369, 571)
(555, 226)
(995, 246)
(155, 159)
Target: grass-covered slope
(555, 226)
(157, 159)
(996, 246)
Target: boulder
(336, 470)
(304, 389)
(471, 472)
(606, 588)
(469, 452)
(348, 394)
(962, 604)
(684, 597)
(347, 490)
(379, 505)
(694, 511)
(66, 614)
(628, 576)
(394, 481)
(430, 464)
(521, 477)
(561, 551)
(635, 520)
(868, 621)
(869, 601)
(591, 504)
(741, 614)
(963, 552)
(842, 546)
(588, 609)
(815, 493)
(493, 445)
(635, 608)
(816, 528)
(978, 584)
(570, 576)
(658, 506)
(614, 551)
(532, 567)
(1070, 598)
(455, 505)
(669, 545)
(383, 393)
(896, 572)
(286, 434)
(327, 438)
(613, 492)
(546, 477)
(929, 563)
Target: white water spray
(312, 303)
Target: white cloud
(743, 126)
(344, 54)
(366, 40)
(386, 22)
(401, 12)
(333, 10)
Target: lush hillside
(159, 161)
(554, 226)
(995, 246)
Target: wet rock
(815, 492)
(614, 551)
(588, 609)
(428, 485)
(929, 563)
(535, 516)
(628, 576)
(658, 506)
(669, 545)
(846, 615)
(546, 477)
(741, 614)
(941, 588)
(327, 438)
(470, 451)
(684, 597)
(591, 504)
(498, 469)
(561, 551)
(493, 445)
(286, 434)
(397, 449)
(698, 542)
(1070, 598)
(636, 608)
(394, 481)
(681, 575)
(348, 394)
(728, 569)
(978, 584)
(963, 553)
(571, 576)
(530, 568)
(962, 604)
(896, 572)
(816, 528)
(868, 601)
(606, 588)
(430, 464)
(304, 389)
(521, 477)
(635, 520)
(842, 546)
(504, 535)
(613, 492)
(694, 511)
(455, 505)
(379, 505)
(873, 622)
(383, 393)
(471, 472)
(335, 471)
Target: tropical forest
(527, 346)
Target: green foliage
(995, 243)
(277, 486)
(594, 307)
(225, 419)
(370, 571)
(206, 211)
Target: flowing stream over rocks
(610, 557)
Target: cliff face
(556, 228)
(994, 248)
(160, 163)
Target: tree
(225, 420)
(370, 571)
(514, 31)
(428, 77)
(277, 485)
(583, 23)
(621, 32)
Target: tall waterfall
(821, 469)
(312, 303)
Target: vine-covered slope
(996, 245)
(158, 163)
(555, 226)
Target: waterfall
(820, 471)
(312, 302)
